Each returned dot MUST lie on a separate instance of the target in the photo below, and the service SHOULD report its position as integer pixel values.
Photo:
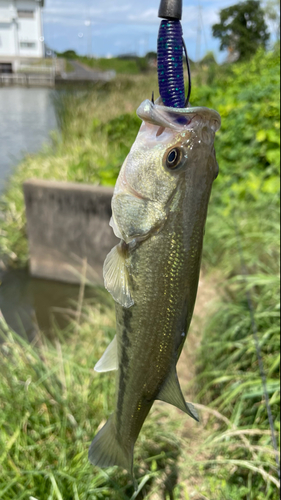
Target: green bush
(243, 231)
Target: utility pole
(198, 39)
(200, 29)
(88, 24)
(146, 45)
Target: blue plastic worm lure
(170, 56)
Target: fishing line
(189, 74)
(254, 326)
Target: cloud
(117, 26)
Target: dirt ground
(193, 434)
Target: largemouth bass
(159, 212)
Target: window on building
(27, 45)
(6, 68)
(26, 13)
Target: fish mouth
(178, 118)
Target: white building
(21, 32)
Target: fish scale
(158, 349)
(153, 273)
(145, 348)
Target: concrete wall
(68, 229)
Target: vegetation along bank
(54, 390)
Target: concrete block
(68, 229)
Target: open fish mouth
(178, 118)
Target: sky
(105, 28)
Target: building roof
(41, 2)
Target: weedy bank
(131, 65)
(97, 131)
(52, 403)
(242, 241)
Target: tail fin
(106, 451)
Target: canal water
(27, 117)
(29, 305)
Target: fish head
(172, 145)
(165, 181)
(173, 157)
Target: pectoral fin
(109, 360)
(171, 393)
(116, 277)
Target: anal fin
(171, 393)
(109, 360)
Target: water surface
(26, 117)
(29, 305)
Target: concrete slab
(68, 229)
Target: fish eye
(173, 158)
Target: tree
(68, 54)
(151, 55)
(208, 58)
(242, 29)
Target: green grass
(61, 402)
(68, 66)
(51, 404)
(243, 230)
(228, 378)
(132, 66)
(122, 66)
